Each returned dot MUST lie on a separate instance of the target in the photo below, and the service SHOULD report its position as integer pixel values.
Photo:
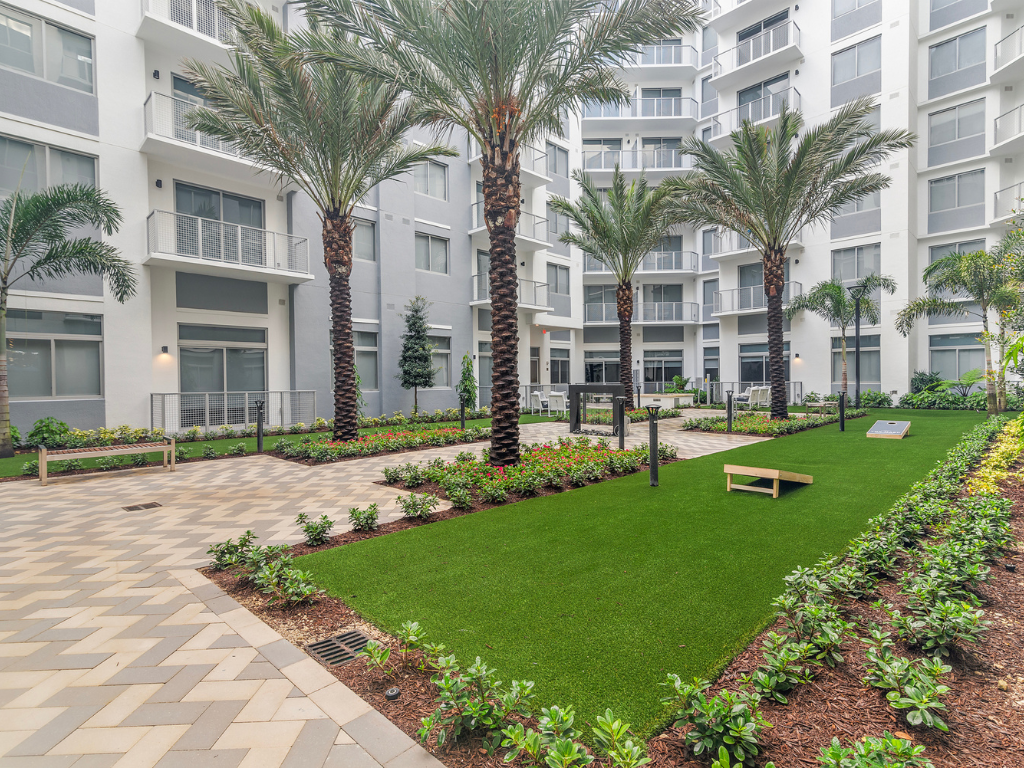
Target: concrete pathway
(115, 651)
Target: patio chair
(752, 398)
(557, 402)
(536, 404)
(742, 398)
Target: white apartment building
(232, 303)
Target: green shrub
(364, 519)
(180, 453)
(872, 399)
(48, 431)
(871, 752)
(209, 452)
(106, 463)
(420, 507)
(923, 381)
(318, 531)
(139, 459)
(30, 468)
(71, 465)
(15, 436)
(238, 449)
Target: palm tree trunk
(337, 237)
(990, 379)
(845, 378)
(501, 190)
(624, 308)
(774, 283)
(6, 445)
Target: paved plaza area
(115, 651)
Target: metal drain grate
(340, 649)
(137, 507)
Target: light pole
(858, 292)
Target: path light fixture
(728, 410)
(653, 422)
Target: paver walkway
(115, 651)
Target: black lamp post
(653, 411)
(728, 410)
(858, 292)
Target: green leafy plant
(912, 685)
(725, 761)
(209, 452)
(376, 656)
(364, 519)
(783, 667)
(139, 459)
(230, 553)
(420, 507)
(238, 449)
(318, 531)
(48, 431)
(282, 581)
(30, 468)
(872, 752)
(107, 463)
(941, 627)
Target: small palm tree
(332, 132)
(506, 72)
(618, 228)
(35, 244)
(987, 278)
(774, 182)
(831, 301)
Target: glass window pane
(196, 201)
(942, 59)
(439, 255)
(841, 7)
(71, 168)
(36, 321)
(971, 49)
(20, 46)
(944, 363)
(942, 194)
(366, 364)
(22, 163)
(971, 188)
(970, 359)
(971, 119)
(246, 370)
(422, 252)
(28, 363)
(844, 66)
(870, 365)
(942, 127)
(69, 58)
(77, 365)
(869, 56)
(869, 260)
(438, 187)
(364, 339)
(222, 333)
(440, 365)
(362, 241)
(420, 176)
(202, 370)
(243, 210)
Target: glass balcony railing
(636, 160)
(756, 111)
(666, 312)
(751, 298)
(665, 106)
(1008, 201)
(663, 55)
(1009, 48)
(529, 292)
(600, 313)
(655, 261)
(530, 158)
(530, 225)
(1009, 124)
(756, 47)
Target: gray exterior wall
(860, 223)
(971, 146)
(865, 85)
(603, 334)
(224, 294)
(957, 218)
(862, 18)
(959, 10)
(78, 414)
(37, 99)
(956, 81)
(664, 333)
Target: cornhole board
(892, 430)
(775, 475)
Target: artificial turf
(596, 593)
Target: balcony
(1007, 202)
(533, 164)
(177, 411)
(1008, 137)
(606, 314)
(529, 295)
(531, 231)
(653, 262)
(207, 246)
(764, 111)
(188, 28)
(650, 160)
(655, 312)
(768, 52)
(742, 301)
(664, 62)
(1009, 58)
(666, 112)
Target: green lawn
(12, 467)
(596, 593)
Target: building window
(431, 179)
(29, 44)
(54, 354)
(559, 366)
(37, 166)
(959, 191)
(866, 203)
(558, 160)
(557, 222)
(711, 363)
(441, 360)
(219, 358)
(954, 354)
(961, 52)
(363, 241)
(857, 61)
(558, 279)
(937, 252)
(843, 7)
(956, 123)
(870, 361)
(661, 367)
(366, 359)
(432, 254)
(219, 206)
(754, 364)
(707, 91)
(852, 264)
(764, 100)
(601, 367)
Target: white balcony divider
(1008, 201)
(203, 16)
(529, 292)
(211, 240)
(530, 225)
(166, 117)
(635, 159)
(751, 297)
(1009, 48)
(756, 47)
(175, 412)
(756, 111)
(666, 106)
(1009, 124)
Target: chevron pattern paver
(115, 651)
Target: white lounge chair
(557, 402)
(536, 403)
(753, 398)
(744, 397)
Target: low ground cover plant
(634, 414)
(268, 569)
(326, 450)
(760, 423)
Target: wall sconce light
(163, 350)
(156, 74)
(797, 356)
(522, 263)
(159, 183)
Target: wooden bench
(166, 448)
(823, 406)
(775, 475)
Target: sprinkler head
(391, 694)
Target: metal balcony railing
(202, 16)
(1009, 124)
(177, 411)
(166, 117)
(636, 159)
(756, 47)
(212, 240)
(655, 261)
(529, 292)
(666, 312)
(666, 106)
(1009, 48)
(756, 111)
(728, 242)
(751, 297)
(660, 55)
(1008, 201)
(530, 225)
(600, 313)
(530, 158)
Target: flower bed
(636, 414)
(322, 450)
(761, 423)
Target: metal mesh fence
(178, 411)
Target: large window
(432, 254)
(959, 53)
(363, 247)
(219, 206)
(954, 354)
(559, 366)
(660, 367)
(558, 160)
(431, 179)
(856, 61)
(441, 360)
(852, 264)
(955, 123)
(558, 279)
(764, 100)
(711, 363)
(601, 367)
(870, 361)
(29, 44)
(37, 166)
(557, 222)
(54, 354)
(754, 367)
(959, 191)
(843, 7)
(219, 358)
(366, 359)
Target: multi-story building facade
(233, 295)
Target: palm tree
(986, 278)
(505, 72)
(618, 228)
(35, 245)
(830, 301)
(774, 182)
(332, 132)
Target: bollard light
(842, 411)
(259, 426)
(462, 413)
(653, 437)
(728, 410)
(620, 419)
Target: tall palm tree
(831, 301)
(774, 182)
(332, 132)
(505, 72)
(618, 228)
(35, 244)
(986, 278)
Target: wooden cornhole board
(775, 475)
(892, 430)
